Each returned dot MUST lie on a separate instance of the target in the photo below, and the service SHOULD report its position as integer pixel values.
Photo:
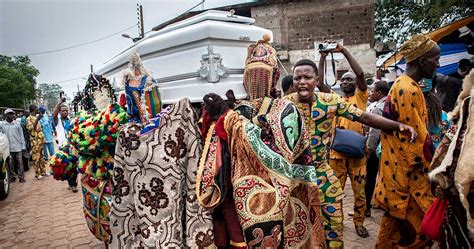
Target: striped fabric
(153, 101)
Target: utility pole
(140, 20)
(92, 68)
(78, 88)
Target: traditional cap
(416, 47)
(9, 111)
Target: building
(299, 26)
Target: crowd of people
(270, 171)
(32, 140)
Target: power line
(79, 45)
(64, 81)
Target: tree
(50, 92)
(399, 20)
(17, 81)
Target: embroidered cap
(416, 47)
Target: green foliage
(17, 81)
(399, 20)
(50, 92)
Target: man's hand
(339, 48)
(408, 130)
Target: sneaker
(22, 180)
(39, 177)
(12, 180)
(74, 189)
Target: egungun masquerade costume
(452, 175)
(277, 203)
(155, 204)
(90, 150)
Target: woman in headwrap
(402, 189)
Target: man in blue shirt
(48, 134)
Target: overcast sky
(33, 26)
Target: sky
(34, 26)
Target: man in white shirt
(14, 133)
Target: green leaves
(50, 92)
(17, 81)
(398, 21)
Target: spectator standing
(37, 142)
(14, 133)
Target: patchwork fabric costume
(154, 185)
(90, 151)
(452, 174)
(261, 69)
(277, 203)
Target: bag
(349, 143)
(431, 223)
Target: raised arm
(321, 85)
(361, 83)
(56, 112)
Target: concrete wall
(298, 25)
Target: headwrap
(416, 47)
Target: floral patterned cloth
(277, 203)
(37, 150)
(154, 185)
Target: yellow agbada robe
(403, 189)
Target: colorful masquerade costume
(402, 189)
(319, 118)
(452, 176)
(154, 194)
(90, 151)
(277, 203)
(37, 141)
(355, 168)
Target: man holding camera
(62, 126)
(354, 88)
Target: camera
(327, 47)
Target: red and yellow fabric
(404, 165)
